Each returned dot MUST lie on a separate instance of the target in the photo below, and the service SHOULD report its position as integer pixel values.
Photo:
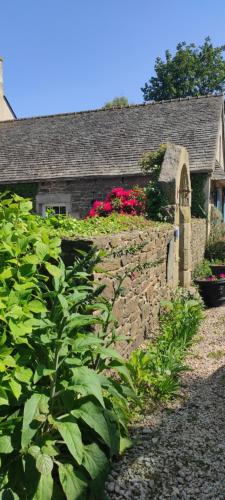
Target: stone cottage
(69, 160)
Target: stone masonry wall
(84, 191)
(138, 308)
(198, 240)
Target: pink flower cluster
(131, 201)
(216, 278)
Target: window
(59, 203)
(57, 209)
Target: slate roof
(108, 142)
(218, 173)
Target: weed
(156, 371)
(216, 355)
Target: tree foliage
(62, 417)
(117, 102)
(192, 71)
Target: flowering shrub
(131, 201)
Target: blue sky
(71, 55)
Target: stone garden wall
(198, 240)
(144, 256)
(147, 259)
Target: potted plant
(211, 286)
(217, 268)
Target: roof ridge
(129, 106)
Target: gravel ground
(179, 450)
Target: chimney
(1, 78)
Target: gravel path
(180, 449)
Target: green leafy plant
(156, 370)
(62, 414)
(202, 270)
(23, 189)
(217, 228)
(68, 226)
(117, 102)
(156, 202)
(198, 196)
(215, 251)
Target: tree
(192, 71)
(117, 102)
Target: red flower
(92, 213)
(97, 204)
(119, 200)
(130, 203)
(107, 206)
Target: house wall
(198, 240)
(82, 192)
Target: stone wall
(198, 240)
(81, 193)
(137, 309)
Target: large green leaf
(15, 388)
(77, 321)
(5, 444)
(71, 434)
(6, 274)
(93, 415)
(83, 342)
(42, 371)
(53, 270)
(45, 488)
(108, 352)
(95, 460)
(41, 250)
(123, 370)
(87, 382)
(36, 306)
(3, 397)
(73, 482)
(23, 374)
(44, 464)
(34, 406)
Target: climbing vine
(198, 196)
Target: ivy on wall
(198, 195)
(26, 190)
